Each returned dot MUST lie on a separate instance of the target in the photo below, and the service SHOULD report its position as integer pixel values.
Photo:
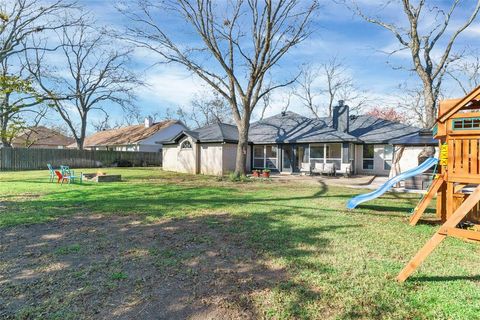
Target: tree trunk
(241, 163)
(3, 134)
(83, 129)
(395, 170)
(430, 105)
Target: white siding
(211, 159)
(409, 158)
(378, 161)
(181, 160)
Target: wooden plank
(420, 209)
(466, 156)
(457, 158)
(437, 238)
(474, 156)
(458, 178)
(461, 233)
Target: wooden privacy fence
(32, 159)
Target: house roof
(291, 127)
(370, 129)
(41, 135)
(126, 135)
(421, 138)
(217, 132)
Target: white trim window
(326, 153)
(265, 156)
(186, 145)
(368, 154)
(387, 157)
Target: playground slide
(427, 164)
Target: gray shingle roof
(421, 138)
(293, 127)
(374, 130)
(217, 132)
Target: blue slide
(427, 164)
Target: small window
(186, 145)
(368, 153)
(466, 124)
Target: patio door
(293, 156)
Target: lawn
(165, 245)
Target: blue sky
(338, 32)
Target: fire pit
(102, 177)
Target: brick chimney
(148, 122)
(341, 117)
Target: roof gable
(451, 109)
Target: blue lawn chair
(69, 174)
(52, 172)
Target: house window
(316, 151)
(368, 153)
(387, 157)
(186, 145)
(265, 156)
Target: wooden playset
(457, 184)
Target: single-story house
(41, 137)
(141, 137)
(288, 141)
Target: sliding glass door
(293, 156)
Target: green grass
(340, 264)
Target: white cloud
(170, 85)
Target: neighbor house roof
(217, 132)
(41, 136)
(126, 135)
(291, 127)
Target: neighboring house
(41, 137)
(288, 141)
(142, 137)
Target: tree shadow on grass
(118, 266)
(444, 278)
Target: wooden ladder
(422, 206)
(447, 229)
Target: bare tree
(21, 19)
(425, 41)
(320, 87)
(466, 72)
(20, 22)
(96, 75)
(205, 109)
(237, 43)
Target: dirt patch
(119, 267)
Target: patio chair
(306, 168)
(61, 178)
(52, 172)
(329, 168)
(69, 175)
(318, 168)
